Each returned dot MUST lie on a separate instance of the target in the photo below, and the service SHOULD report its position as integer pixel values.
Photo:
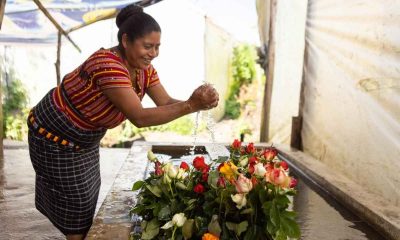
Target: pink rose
(243, 184)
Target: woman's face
(140, 52)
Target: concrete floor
(19, 218)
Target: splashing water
(194, 135)
(213, 149)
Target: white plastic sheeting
(288, 63)
(351, 77)
(351, 114)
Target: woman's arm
(160, 96)
(126, 100)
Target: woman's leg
(75, 236)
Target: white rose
(166, 179)
(243, 162)
(239, 199)
(170, 170)
(151, 156)
(259, 170)
(181, 174)
(179, 219)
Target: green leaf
(237, 228)
(290, 227)
(181, 186)
(280, 235)
(187, 228)
(289, 214)
(137, 185)
(138, 209)
(241, 227)
(274, 213)
(222, 159)
(267, 207)
(213, 179)
(247, 211)
(214, 227)
(282, 201)
(155, 190)
(164, 213)
(150, 229)
(271, 229)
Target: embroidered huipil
(86, 105)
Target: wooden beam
(57, 64)
(59, 28)
(266, 110)
(105, 17)
(2, 10)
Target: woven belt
(48, 135)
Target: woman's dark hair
(135, 23)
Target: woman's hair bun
(126, 12)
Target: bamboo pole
(57, 64)
(59, 28)
(266, 110)
(2, 10)
(105, 17)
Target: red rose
(204, 177)
(199, 163)
(254, 181)
(253, 160)
(236, 144)
(221, 182)
(198, 188)
(251, 168)
(184, 166)
(293, 183)
(284, 165)
(270, 153)
(250, 148)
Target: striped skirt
(66, 162)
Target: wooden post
(2, 10)
(57, 64)
(265, 115)
(1, 114)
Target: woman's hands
(203, 98)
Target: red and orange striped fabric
(102, 70)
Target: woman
(66, 126)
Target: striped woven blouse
(87, 107)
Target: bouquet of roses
(245, 196)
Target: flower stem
(170, 188)
(173, 233)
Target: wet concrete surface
(19, 218)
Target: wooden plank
(266, 110)
(55, 23)
(2, 10)
(295, 137)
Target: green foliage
(15, 111)
(243, 73)
(182, 126)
